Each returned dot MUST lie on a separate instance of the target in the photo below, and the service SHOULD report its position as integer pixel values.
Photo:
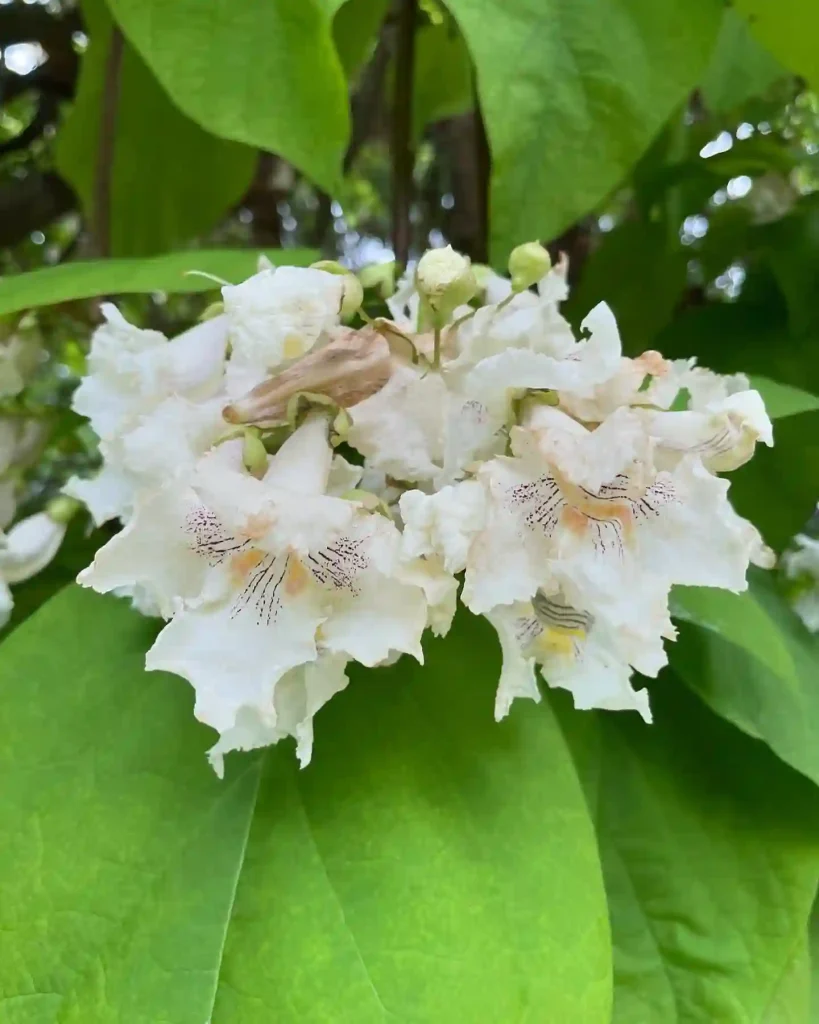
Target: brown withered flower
(355, 365)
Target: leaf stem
(101, 207)
(402, 150)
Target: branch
(483, 172)
(402, 152)
(101, 209)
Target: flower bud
(528, 264)
(445, 280)
(254, 453)
(30, 546)
(353, 293)
(355, 365)
(330, 267)
(352, 297)
(380, 277)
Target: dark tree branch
(402, 150)
(483, 171)
(365, 109)
(106, 145)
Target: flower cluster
(571, 486)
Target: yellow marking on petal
(256, 526)
(243, 563)
(557, 640)
(583, 507)
(296, 578)
(293, 347)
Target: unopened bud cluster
(569, 487)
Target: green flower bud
(380, 277)
(329, 267)
(352, 297)
(254, 453)
(62, 508)
(528, 264)
(445, 280)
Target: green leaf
(355, 30)
(754, 663)
(789, 29)
(573, 91)
(170, 273)
(783, 399)
(171, 181)
(777, 489)
(429, 866)
(443, 75)
(639, 275)
(740, 67)
(710, 851)
(262, 72)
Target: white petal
(589, 458)
(445, 523)
(278, 315)
(400, 429)
(297, 696)
(8, 500)
(108, 495)
(592, 362)
(376, 613)
(197, 359)
(156, 552)
(518, 676)
(234, 658)
(6, 604)
(30, 546)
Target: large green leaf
(789, 29)
(443, 75)
(355, 31)
(263, 72)
(573, 91)
(784, 399)
(755, 664)
(170, 273)
(171, 180)
(740, 69)
(428, 866)
(710, 851)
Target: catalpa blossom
(564, 487)
(801, 565)
(261, 578)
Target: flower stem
(436, 350)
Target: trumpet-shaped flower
(263, 577)
(276, 316)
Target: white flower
(264, 576)
(297, 697)
(724, 434)
(131, 371)
(159, 448)
(26, 550)
(575, 650)
(802, 565)
(20, 444)
(30, 546)
(19, 358)
(276, 316)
